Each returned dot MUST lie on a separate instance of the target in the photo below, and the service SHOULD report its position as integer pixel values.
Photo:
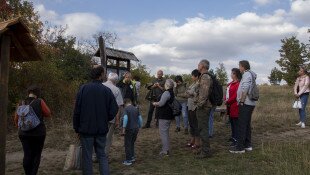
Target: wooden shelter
(117, 61)
(16, 45)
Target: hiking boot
(299, 124)
(178, 129)
(303, 125)
(235, 150)
(186, 131)
(249, 148)
(127, 162)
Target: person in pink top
(301, 90)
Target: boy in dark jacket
(95, 106)
(132, 123)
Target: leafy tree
(221, 74)
(141, 71)
(275, 76)
(292, 55)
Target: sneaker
(127, 162)
(178, 129)
(250, 148)
(235, 150)
(298, 124)
(303, 125)
(133, 159)
(146, 126)
(233, 144)
(164, 154)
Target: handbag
(74, 158)
(297, 104)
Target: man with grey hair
(111, 83)
(156, 89)
(203, 107)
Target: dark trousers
(203, 115)
(32, 146)
(150, 115)
(193, 123)
(234, 127)
(130, 139)
(244, 126)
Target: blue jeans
(185, 116)
(302, 111)
(211, 118)
(97, 142)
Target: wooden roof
(118, 54)
(23, 47)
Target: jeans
(185, 116)
(203, 115)
(211, 118)
(234, 127)
(164, 126)
(109, 138)
(130, 139)
(244, 126)
(32, 146)
(97, 142)
(302, 111)
(193, 123)
(150, 115)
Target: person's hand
(154, 103)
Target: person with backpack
(204, 106)
(246, 98)
(128, 88)
(95, 107)
(180, 95)
(232, 104)
(32, 136)
(165, 116)
(301, 91)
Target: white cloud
(300, 9)
(81, 25)
(264, 2)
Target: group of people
(101, 107)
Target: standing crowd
(102, 107)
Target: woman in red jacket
(232, 104)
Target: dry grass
(279, 146)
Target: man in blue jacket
(95, 106)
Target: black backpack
(176, 107)
(216, 92)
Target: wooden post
(117, 66)
(103, 55)
(4, 77)
(128, 65)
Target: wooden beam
(128, 65)
(4, 77)
(103, 55)
(117, 65)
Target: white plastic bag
(297, 104)
(74, 158)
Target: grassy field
(279, 146)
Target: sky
(174, 35)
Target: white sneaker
(298, 124)
(249, 148)
(303, 125)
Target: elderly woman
(301, 90)
(165, 116)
